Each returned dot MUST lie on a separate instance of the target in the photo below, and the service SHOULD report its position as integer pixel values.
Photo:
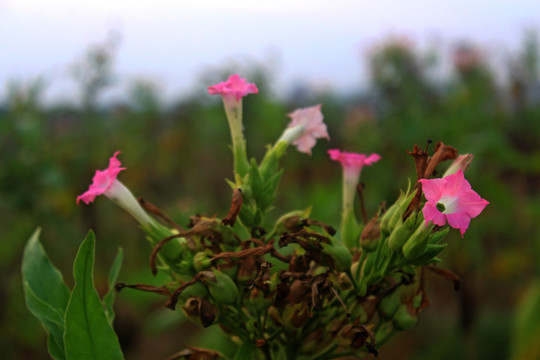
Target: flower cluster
(296, 287)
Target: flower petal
(472, 203)
(102, 180)
(456, 184)
(433, 189)
(235, 85)
(431, 213)
(311, 121)
(459, 220)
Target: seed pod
(403, 319)
(195, 290)
(223, 289)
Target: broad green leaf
(42, 277)
(52, 321)
(108, 300)
(45, 292)
(88, 334)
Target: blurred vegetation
(176, 159)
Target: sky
(323, 43)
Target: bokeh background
(80, 81)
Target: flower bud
(389, 304)
(401, 233)
(223, 289)
(417, 244)
(461, 162)
(201, 261)
(370, 235)
(385, 220)
(196, 290)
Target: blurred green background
(177, 158)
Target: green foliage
(89, 335)
(78, 325)
(46, 294)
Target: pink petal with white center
(459, 221)
(102, 180)
(431, 213)
(433, 189)
(235, 86)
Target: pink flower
(451, 199)
(311, 121)
(235, 85)
(353, 160)
(102, 181)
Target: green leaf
(88, 333)
(42, 277)
(108, 299)
(51, 319)
(45, 293)
(255, 180)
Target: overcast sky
(321, 42)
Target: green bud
(403, 319)
(223, 289)
(195, 290)
(385, 220)
(184, 268)
(397, 218)
(417, 244)
(401, 233)
(389, 304)
(201, 261)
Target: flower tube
(232, 91)
(352, 164)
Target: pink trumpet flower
(105, 183)
(353, 162)
(310, 122)
(451, 200)
(103, 180)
